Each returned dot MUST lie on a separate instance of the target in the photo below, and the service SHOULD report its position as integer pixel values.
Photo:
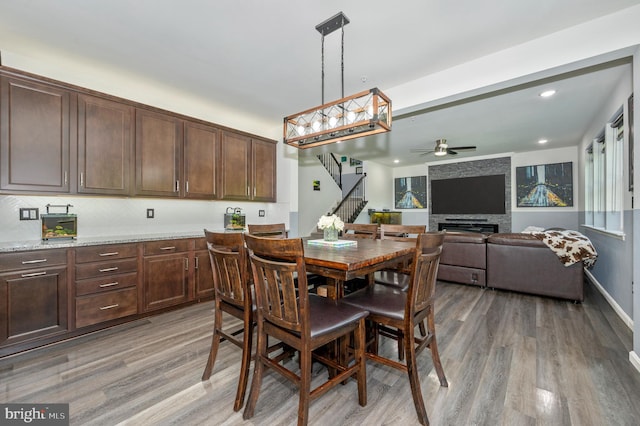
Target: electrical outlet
(29, 213)
(150, 213)
(261, 213)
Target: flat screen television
(468, 195)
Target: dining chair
(399, 275)
(391, 307)
(231, 282)
(353, 231)
(271, 230)
(302, 320)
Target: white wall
(314, 204)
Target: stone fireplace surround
(494, 166)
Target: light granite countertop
(25, 245)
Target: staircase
(353, 203)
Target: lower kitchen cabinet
(202, 274)
(33, 297)
(166, 274)
(106, 283)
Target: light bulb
(370, 112)
(351, 117)
(316, 126)
(300, 130)
(333, 121)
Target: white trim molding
(635, 360)
(618, 310)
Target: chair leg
(433, 346)
(423, 329)
(305, 387)
(215, 343)
(359, 337)
(414, 380)
(400, 345)
(244, 367)
(258, 371)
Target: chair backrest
(401, 232)
(270, 230)
(280, 281)
(360, 230)
(424, 271)
(229, 262)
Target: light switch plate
(29, 213)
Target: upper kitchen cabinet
(34, 136)
(105, 146)
(247, 168)
(158, 154)
(201, 152)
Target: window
(603, 178)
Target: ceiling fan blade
(463, 148)
(426, 152)
(451, 152)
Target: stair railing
(353, 203)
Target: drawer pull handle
(112, 253)
(108, 284)
(29, 262)
(104, 308)
(168, 248)
(115, 268)
(34, 274)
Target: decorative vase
(330, 234)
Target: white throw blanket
(570, 246)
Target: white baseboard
(635, 360)
(618, 310)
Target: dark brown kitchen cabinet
(202, 274)
(33, 295)
(201, 151)
(166, 274)
(247, 168)
(106, 283)
(34, 136)
(105, 146)
(158, 154)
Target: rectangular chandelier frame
(363, 114)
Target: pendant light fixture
(363, 114)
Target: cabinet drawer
(105, 306)
(100, 285)
(99, 269)
(166, 247)
(105, 252)
(32, 259)
(201, 244)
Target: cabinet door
(105, 146)
(34, 304)
(203, 275)
(200, 161)
(263, 159)
(166, 281)
(34, 136)
(235, 173)
(158, 151)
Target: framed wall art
(411, 192)
(545, 185)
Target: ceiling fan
(442, 148)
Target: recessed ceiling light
(396, 161)
(543, 141)
(547, 93)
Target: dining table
(342, 263)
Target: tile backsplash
(104, 216)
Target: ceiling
(264, 58)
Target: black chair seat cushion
(379, 299)
(392, 278)
(327, 315)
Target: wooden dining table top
(347, 262)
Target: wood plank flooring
(510, 359)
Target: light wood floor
(510, 359)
